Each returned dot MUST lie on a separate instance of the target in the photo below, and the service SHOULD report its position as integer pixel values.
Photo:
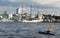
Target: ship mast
(30, 13)
(37, 15)
(22, 9)
(22, 12)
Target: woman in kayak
(48, 30)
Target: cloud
(35, 3)
(45, 1)
(39, 2)
(14, 1)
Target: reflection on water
(27, 30)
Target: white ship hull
(32, 20)
(6, 20)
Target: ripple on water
(27, 30)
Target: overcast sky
(13, 4)
(53, 3)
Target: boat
(48, 32)
(45, 33)
(30, 17)
(6, 20)
(32, 20)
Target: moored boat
(32, 20)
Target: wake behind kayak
(45, 33)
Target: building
(1, 17)
(10, 17)
(17, 11)
(16, 17)
(5, 15)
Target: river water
(27, 30)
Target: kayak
(45, 33)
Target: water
(27, 30)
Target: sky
(11, 5)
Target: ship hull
(32, 21)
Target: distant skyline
(11, 5)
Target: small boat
(6, 20)
(45, 33)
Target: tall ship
(24, 17)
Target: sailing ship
(30, 19)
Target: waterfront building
(55, 18)
(10, 17)
(1, 17)
(17, 11)
(16, 17)
(5, 15)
